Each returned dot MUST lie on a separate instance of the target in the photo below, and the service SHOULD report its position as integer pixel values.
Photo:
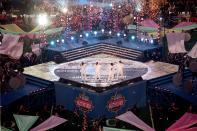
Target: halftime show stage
(100, 98)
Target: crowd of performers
(114, 69)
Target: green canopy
(190, 27)
(10, 32)
(24, 122)
(12, 28)
(142, 28)
(50, 31)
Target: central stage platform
(70, 72)
(73, 50)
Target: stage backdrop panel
(108, 104)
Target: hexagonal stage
(100, 98)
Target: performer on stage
(111, 72)
(83, 71)
(120, 70)
(97, 71)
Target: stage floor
(147, 70)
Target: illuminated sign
(84, 103)
(115, 103)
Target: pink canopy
(51, 122)
(149, 23)
(185, 121)
(131, 118)
(183, 24)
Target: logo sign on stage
(115, 103)
(84, 103)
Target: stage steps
(102, 48)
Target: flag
(11, 46)
(51, 122)
(4, 129)
(24, 122)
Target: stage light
(133, 37)
(58, 41)
(119, 6)
(62, 40)
(42, 19)
(110, 4)
(118, 34)
(87, 34)
(102, 30)
(134, 18)
(95, 32)
(52, 43)
(125, 35)
(110, 32)
(142, 18)
(80, 36)
(138, 8)
(65, 10)
(160, 18)
(142, 39)
(151, 41)
(72, 38)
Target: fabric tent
(132, 119)
(51, 122)
(12, 28)
(114, 129)
(193, 52)
(184, 122)
(149, 23)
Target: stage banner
(51, 122)
(193, 52)
(176, 42)
(24, 122)
(11, 46)
(4, 129)
(132, 119)
(188, 119)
